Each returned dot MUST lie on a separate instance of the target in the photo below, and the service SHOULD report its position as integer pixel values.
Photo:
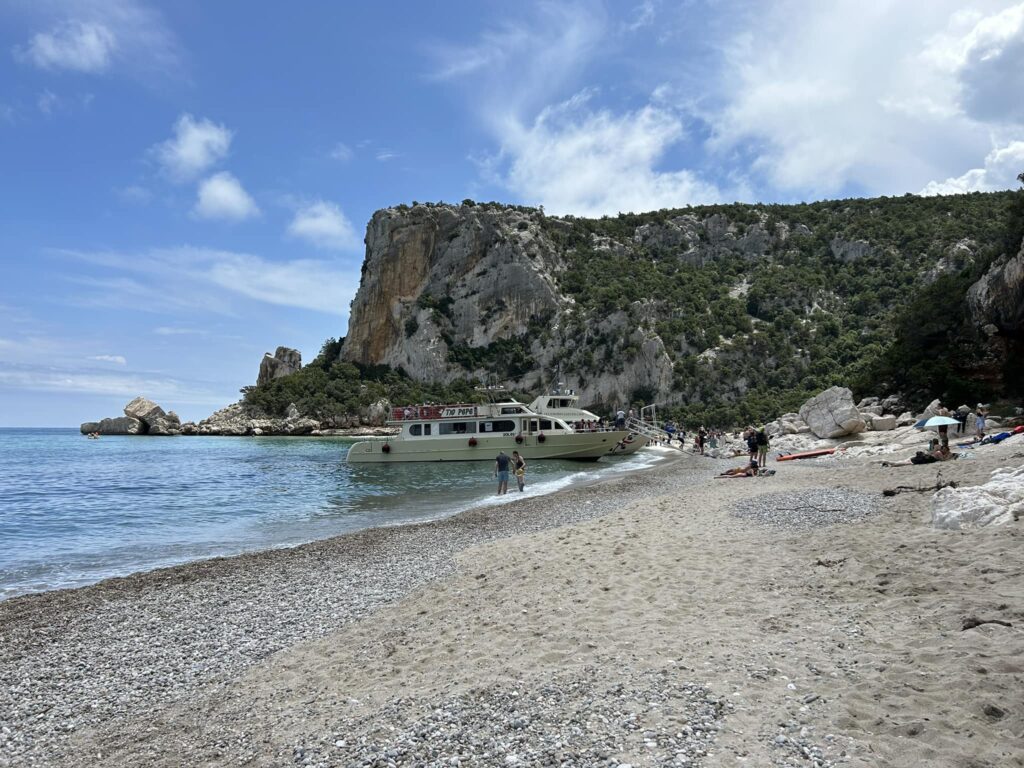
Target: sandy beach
(665, 618)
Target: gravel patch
(812, 508)
(128, 647)
(588, 718)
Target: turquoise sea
(74, 511)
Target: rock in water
(832, 414)
(144, 410)
(122, 425)
(284, 362)
(88, 427)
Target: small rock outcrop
(997, 299)
(284, 362)
(122, 425)
(141, 417)
(144, 410)
(832, 414)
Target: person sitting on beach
(942, 453)
(748, 470)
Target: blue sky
(185, 186)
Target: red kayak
(806, 454)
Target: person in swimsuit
(519, 467)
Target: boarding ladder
(648, 429)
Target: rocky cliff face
(442, 279)
(283, 362)
(703, 305)
(441, 276)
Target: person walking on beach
(762, 447)
(501, 472)
(519, 467)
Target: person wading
(519, 467)
(501, 472)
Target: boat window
(426, 429)
(511, 409)
(497, 426)
(545, 424)
(558, 425)
(565, 403)
(416, 430)
(456, 428)
(533, 425)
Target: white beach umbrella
(937, 421)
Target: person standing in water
(501, 472)
(519, 467)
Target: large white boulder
(998, 501)
(832, 414)
(883, 423)
(144, 410)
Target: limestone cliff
(714, 305)
(439, 276)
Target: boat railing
(648, 430)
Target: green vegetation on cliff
(756, 307)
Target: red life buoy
(519, 438)
(386, 448)
(541, 438)
(472, 442)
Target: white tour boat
(476, 432)
(562, 404)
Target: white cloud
(75, 45)
(47, 101)
(208, 279)
(324, 225)
(568, 155)
(643, 16)
(999, 172)
(197, 146)
(99, 37)
(165, 330)
(95, 382)
(518, 67)
(386, 154)
(222, 196)
(573, 159)
(845, 98)
(115, 359)
(134, 193)
(341, 152)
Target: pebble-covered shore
(127, 647)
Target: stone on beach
(832, 414)
(996, 502)
(883, 423)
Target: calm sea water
(74, 511)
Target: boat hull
(584, 446)
(632, 443)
